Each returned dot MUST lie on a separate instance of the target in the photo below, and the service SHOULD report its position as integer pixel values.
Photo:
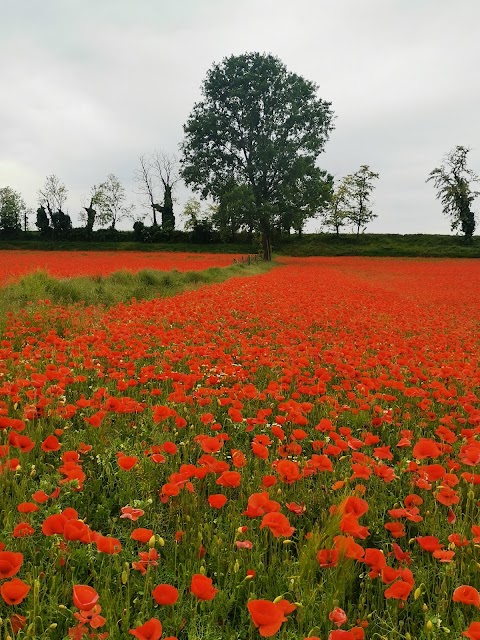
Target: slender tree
(260, 125)
(167, 169)
(53, 195)
(110, 202)
(335, 216)
(453, 183)
(359, 187)
(145, 178)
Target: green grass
(369, 244)
(314, 244)
(121, 286)
(73, 245)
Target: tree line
(251, 148)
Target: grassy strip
(117, 287)
(74, 245)
(387, 245)
(315, 244)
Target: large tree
(262, 126)
(452, 181)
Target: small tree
(13, 211)
(110, 202)
(452, 181)
(53, 195)
(158, 174)
(359, 187)
(42, 221)
(336, 214)
(167, 168)
(198, 222)
(89, 218)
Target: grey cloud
(89, 86)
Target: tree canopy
(12, 210)
(452, 181)
(263, 127)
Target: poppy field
(15, 263)
(292, 455)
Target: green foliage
(370, 244)
(198, 223)
(262, 126)
(335, 215)
(12, 210)
(53, 194)
(357, 191)
(110, 204)
(42, 222)
(452, 181)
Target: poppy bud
(424, 607)
(236, 566)
(278, 599)
(429, 625)
(202, 570)
(151, 542)
(417, 593)
(161, 542)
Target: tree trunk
(154, 214)
(267, 246)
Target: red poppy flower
(202, 587)
(278, 524)
(399, 590)
(337, 616)
(14, 591)
(22, 530)
(40, 497)
(217, 500)
(91, 617)
(74, 530)
(151, 630)
(10, 563)
(84, 597)
(244, 544)
(229, 479)
(473, 631)
(267, 616)
(429, 543)
(466, 595)
(51, 443)
(27, 507)
(131, 513)
(107, 544)
(165, 594)
(127, 462)
(141, 534)
(54, 524)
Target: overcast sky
(89, 85)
